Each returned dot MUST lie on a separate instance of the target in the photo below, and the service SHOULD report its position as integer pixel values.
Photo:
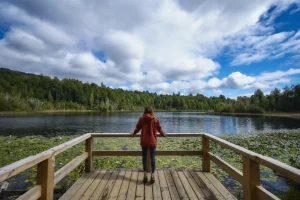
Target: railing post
(89, 143)
(205, 156)
(148, 160)
(251, 178)
(45, 177)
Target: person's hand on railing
(132, 134)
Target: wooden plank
(200, 194)
(148, 191)
(251, 178)
(172, 188)
(237, 175)
(205, 156)
(202, 185)
(289, 171)
(163, 185)
(179, 186)
(125, 185)
(264, 194)
(89, 145)
(33, 193)
(65, 170)
(156, 188)
(21, 165)
(226, 194)
(189, 190)
(78, 194)
(76, 186)
(45, 177)
(88, 193)
(98, 191)
(138, 135)
(132, 185)
(115, 190)
(109, 186)
(140, 188)
(139, 153)
(210, 186)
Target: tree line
(28, 92)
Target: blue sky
(165, 46)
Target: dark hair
(149, 110)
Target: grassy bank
(283, 146)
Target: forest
(28, 92)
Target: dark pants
(152, 156)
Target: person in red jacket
(149, 125)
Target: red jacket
(149, 125)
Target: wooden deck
(121, 184)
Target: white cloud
(162, 45)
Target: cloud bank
(161, 46)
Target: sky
(212, 47)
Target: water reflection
(124, 122)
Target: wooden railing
(249, 177)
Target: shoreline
(279, 114)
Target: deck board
(126, 184)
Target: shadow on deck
(127, 184)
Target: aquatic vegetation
(283, 146)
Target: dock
(127, 183)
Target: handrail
(21, 165)
(138, 135)
(276, 165)
(249, 178)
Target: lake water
(124, 122)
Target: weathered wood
(179, 186)
(149, 161)
(225, 193)
(289, 171)
(237, 175)
(139, 153)
(132, 185)
(168, 185)
(116, 188)
(156, 188)
(109, 186)
(140, 188)
(76, 186)
(264, 194)
(202, 185)
(163, 185)
(78, 194)
(251, 178)
(65, 170)
(21, 165)
(205, 156)
(200, 194)
(88, 193)
(171, 185)
(45, 178)
(33, 193)
(125, 185)
(100, 188)
(210, 186)
(138, 135)
(89, 143)
(148, 191)
(189, 190)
